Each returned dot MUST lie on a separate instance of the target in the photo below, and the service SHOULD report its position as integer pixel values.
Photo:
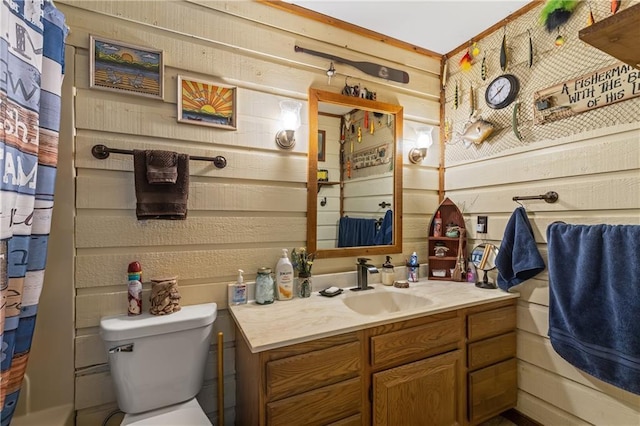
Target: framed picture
(321, 144)
(206, 103)
(125, 68)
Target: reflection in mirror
(354, 204)
(483, 257)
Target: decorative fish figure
(475, 131)
(445, 68)
(530, 50)
(590, 19)
(465, 62)
(456, 98)
(514, 121)
(483, 69)
(503, 53)
(615, 5)
(472, 101)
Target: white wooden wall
(241, 216)
(591, 160)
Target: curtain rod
(101, 152)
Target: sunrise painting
(205, 103)
(126, 68)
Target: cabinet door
(425, 392)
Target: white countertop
(284, 323)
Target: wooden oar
(366, 67)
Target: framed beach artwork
(125, 68)
(206, 103)
(321, 145)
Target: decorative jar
(305, 285)
(264, 287)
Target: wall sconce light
(425, 140)
(290, 119)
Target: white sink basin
(383, 302)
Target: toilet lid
(184, 414)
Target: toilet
(157, 364)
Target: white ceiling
(439, 26)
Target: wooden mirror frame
(315, 97)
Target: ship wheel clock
(502, 91)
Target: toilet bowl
(157, 364)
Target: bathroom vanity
(448, 360)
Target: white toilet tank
(158, 361)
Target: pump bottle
(238, 291)
(284, 277)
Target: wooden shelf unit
(449, 213)
(617, 35)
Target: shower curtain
(31, 71)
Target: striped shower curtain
(31, 70)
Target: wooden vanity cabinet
(491, 361)
(451, 368)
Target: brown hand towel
(162, 166)
(165, 200)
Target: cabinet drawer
(320, 406)
(301, 373)
(492, 390)
(491, 323)
(490, 351)
(416, 342)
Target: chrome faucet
(363, 268)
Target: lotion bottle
(238, 291)
(284, 277)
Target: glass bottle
(264, 286)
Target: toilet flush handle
(128, 347)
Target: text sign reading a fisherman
(600, 88)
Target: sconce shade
(424, 141)
(290, 121)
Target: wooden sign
(600, 88)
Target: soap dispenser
(284, 277)
(238, 291)
(388, 273)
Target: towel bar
(101, 152)
(549, 197)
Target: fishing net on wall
(551, 65)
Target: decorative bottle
(134, 287)
(264, 286)
(437, 225)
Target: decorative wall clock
(502, 91)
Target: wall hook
(323, 202)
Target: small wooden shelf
(449, 213)
(617, 35)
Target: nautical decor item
(503, 51)
(502, 91)
(483, 68)
(557, 12)
(530, 49)
(475, 131)
(370, 68)
(465, 61)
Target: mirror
(356, 192)
(483, 257)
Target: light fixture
(424, 141)
(290, 119)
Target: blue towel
(356, 232)
(518, 258)
(384, 236)
(594, 300)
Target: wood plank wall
(591, 160)
(241, 216)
